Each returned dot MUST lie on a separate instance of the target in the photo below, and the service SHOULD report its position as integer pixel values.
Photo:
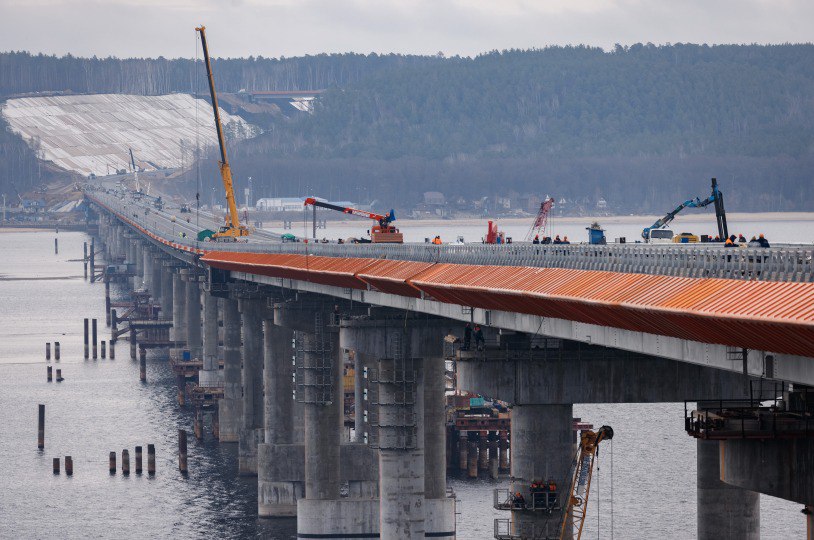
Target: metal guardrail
(780, 263)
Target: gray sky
(294, 27)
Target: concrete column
(358, 397)
(725, 512)
(542, 449)
(277, 490)
(323, 414)
(435, 429)
(147, 268)
(193, 307)
(251, 311)
(401, 453)
(166, 292)
(178, 332)
(230, 408)
(137, 259)
(209, 375)
(155, 278)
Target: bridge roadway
(649, 323)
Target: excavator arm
(234, 229)
(716, 198)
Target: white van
(660, 236)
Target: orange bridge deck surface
(770, 316)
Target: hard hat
(517, 494)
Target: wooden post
(112, 351)
(59, 375)
(132, 343)
(41, 428)
(463, 451)
(104, 350)
(87, 339)
(142, 352)
(85, 258)
(473, 459)
(92, 260)
(112, 463)
(151, 459)
(138, 459)
(56, 465)
(56, 350)
(69, 465)
(182, 451)
(50, 374)
(47, 351)
(107, 302)
(94, 338)
(56, 246)
(126, 462)
(197, 425)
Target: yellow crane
(577, 505)
(234, 230)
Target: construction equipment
(577, 506)
(538, 228)
(382, 232)
(233, 230)
(494, 236)
(656, 232)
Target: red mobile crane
(540, 222)
(383, 232)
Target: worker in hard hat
(762, 241)
(519, 501)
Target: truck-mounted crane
(233, 230)
(382, 232)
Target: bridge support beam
(147, 267)
(251, 312)
(210, 375)
(156, 282)
(137, 258)
(724, 511)
(193, 318)
(230, 408)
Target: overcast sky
(151, 28)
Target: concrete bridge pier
(406, 403)
(210, 375)
(251, 432)
(542, 449)
(725, 512)
(280, 481)
(156, 283)
(230, 408)
(193, 318)
(166, 290)
(178, 332)
(137, 258)
(147, 267)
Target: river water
(644, 488)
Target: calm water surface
(101, 407)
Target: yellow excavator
(233, 231)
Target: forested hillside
(643, 127)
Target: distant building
(33, 205)
(435, 198)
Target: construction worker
(741, 239)
(538, 497)
(565, 240)
(557, 240)
(519, 501)
(536, 239)
(729, 243)
(762, 241)
(467, 337)
(437, 240)
(552, 493)
(479, 340)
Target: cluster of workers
(548, 240)
(543, 497)
(740, 240)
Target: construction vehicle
(233, 230)
(494, 236)
(382, 232)
(577, 506)
(538, 228)
(657, 233)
